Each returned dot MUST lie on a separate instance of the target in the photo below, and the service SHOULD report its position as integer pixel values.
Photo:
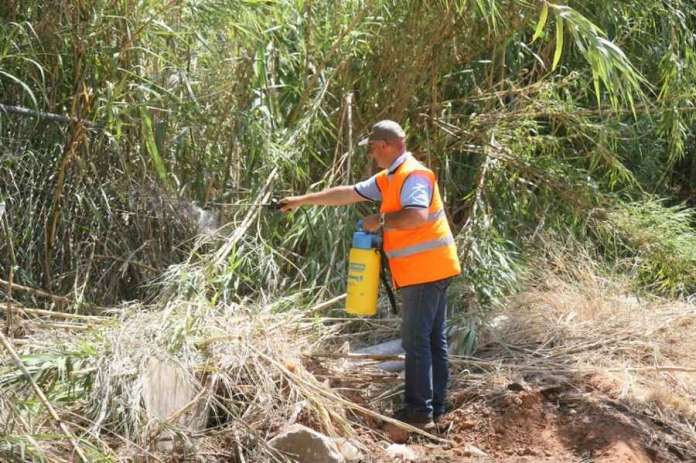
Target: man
(422, 258)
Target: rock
(396, 434)
(306, 445)
(401, 452)
(349, 451)
(473, 451)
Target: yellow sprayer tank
(363, 274)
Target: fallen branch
(326, 304)
(352, 405)
(351, 356)
(632, 370)
(38, 292)
(499, 364)
(556, 370)
(56, 314)
(63, 326)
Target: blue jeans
(424, 311)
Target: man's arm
(400, 220)
(336, 196)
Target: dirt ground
(569, 374)
(545, 420)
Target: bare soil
(548, 421)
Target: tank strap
(385, 281)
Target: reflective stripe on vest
(420, 247)
(434, 216)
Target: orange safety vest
(423, 254)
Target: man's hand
(290, 203)
(371, 223)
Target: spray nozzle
(274, 204)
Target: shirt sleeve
(417, 191)
(368, 189)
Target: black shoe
(417, 420)
(439, 413)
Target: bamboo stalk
(69, 154)
(498, 364)
(38, 292)
(239, 232)
(323, 305)
(64, 326)
(55, 314)
(9, 311)
(349, 107)
(42, 397)
(678, 369)
(333, 51)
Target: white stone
(349, 451)
(402, 452)
(306, 445)
(474, 451)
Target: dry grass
(248, 372)
(575, 327)
(574, 314)
(244, 364)
(189, 380)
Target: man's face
(378, 150)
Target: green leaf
(559, 43)
(151, 146)
(23, 85)
(542, 22)
(598, 94)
